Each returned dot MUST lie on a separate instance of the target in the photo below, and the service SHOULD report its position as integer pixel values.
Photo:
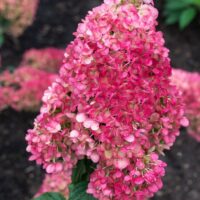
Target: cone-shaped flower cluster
(113, 103)
(189, 84)
(17, 15)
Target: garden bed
(54, 25)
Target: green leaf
(186, 17)
(196, 3)
(1, 39)
(4, 23)
(50, 196)
(80, 179)
(176, 5)
(78, 172)
(82, 170)
(172, 18)
(79, 192)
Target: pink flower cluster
(47, 59)
(56, 182)
(19, 14)
(23, 89)
(113, 103)
(189, 84)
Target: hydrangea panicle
(114, 103)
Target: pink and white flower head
(19, 13)
(23, 89)
(47, 59)
(114, 102)
(189, 84)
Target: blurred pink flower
(24, 88)
(19, 14)
(189, 84)
(47, 59)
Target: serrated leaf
(50, 196)
(186, 17)
(79, 192)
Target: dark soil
(19, 178)
(54, 24)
